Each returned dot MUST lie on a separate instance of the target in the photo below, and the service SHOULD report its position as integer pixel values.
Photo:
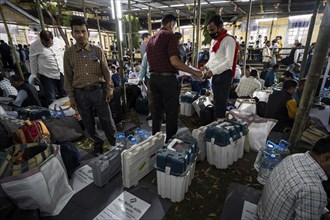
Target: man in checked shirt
(88, 84)
(294, 189)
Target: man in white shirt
(46, 61)
(220, 64)
(266, 55)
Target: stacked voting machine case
(175, 166)
(225, 143)
(107, 166)
(186, 101)
(139, 159)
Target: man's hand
(108, 96)
(198, 74)
(73, 103)
(208, 74)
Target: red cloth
(216, 46)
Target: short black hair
(247, 67)
(322, 146)
(178, 35)
(254, 73)
(16, 78)
(145, 35)
(168, 18)
(276, 66)
(288, 74)
(20, 46)
(217, 20)
(288, 84)
(78, 22)
(46, 35)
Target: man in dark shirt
(162, 50)
(27, 94)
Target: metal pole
(199, 12)
(13, 49)
(149, 19)
(309, 38)
(314, 74)
(130, 44)
(98, 28)
(246, 36)
(120, 52)
(193, 61)
(178, 11)
(41, 17)
(84, 10)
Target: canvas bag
(61, 106)
(246, 105)
(32, 132)
(259, 128)
(64, 129)
(39, 183)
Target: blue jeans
(52, 87)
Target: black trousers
(165, 92)
(87, 101)
(221, 88)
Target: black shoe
(98, 149)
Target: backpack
(32, 132)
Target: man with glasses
(46, 62)
(164, 63)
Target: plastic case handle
(173, 142)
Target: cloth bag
(61, 107)
(259, 128)
(33, 177)
(246, 105)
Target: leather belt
(163, 74)
(91, 88)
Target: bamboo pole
(199, 12)
(309, 38)
(99, 28)
(314, 74)
(193, 61)
(246, 36)
(84, 10)
(271, 28)
(149, 19)
(120, 52)
(130, 44)
(40, 15)
(13, 49)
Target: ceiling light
(179, 5)
(204, 3)
(164, 6)
(218, 2)
(265, 19)
(300, 17)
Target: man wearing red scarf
(221, 65)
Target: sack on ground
(33, 177)
(259, 128)
(141, 105)
(246, 105)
